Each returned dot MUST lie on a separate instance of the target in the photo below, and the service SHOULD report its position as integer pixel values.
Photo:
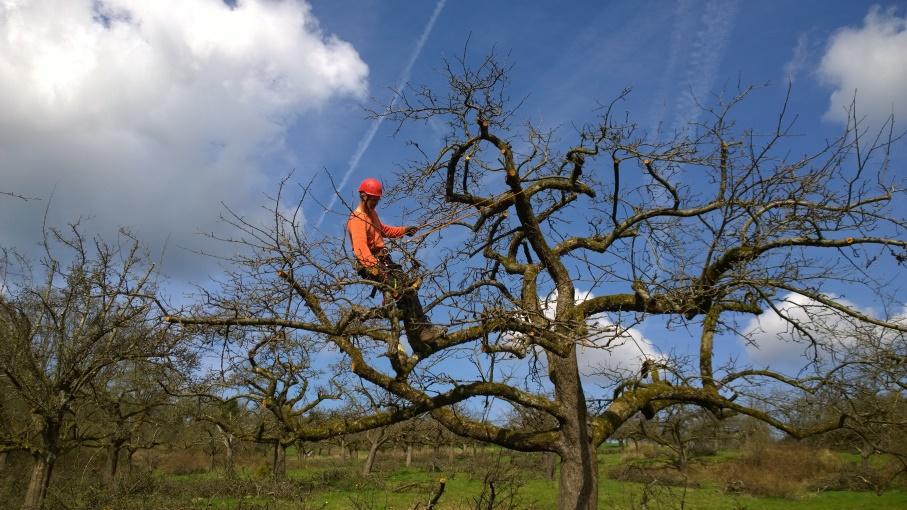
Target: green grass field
(332, 483)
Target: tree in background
(681, 431)
(868, 384)
(126, 401)
(264, 390)
(363, 401)
(566, 246)
(79, 318)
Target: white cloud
(772, 340)
(608, 348)
(872, 61)
(150, 113)
(622, 351)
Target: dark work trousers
(397, 287)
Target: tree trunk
(865, 452)
(864, 459)
(229, 465)
(300, 453)
(409, 455)
(435, 457)
(130, 452)
(229, 441)
(550, 465)
(578, 485)
(370, 460)
(39, 482)
(279, 469)
(683, 459)
(44, 465)
(113, 461)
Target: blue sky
(150, 114)
(567, 56)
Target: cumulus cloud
(150, 114)
(616, 350)
(870, 61)
(609, 348)
(801, 331)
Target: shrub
(854, 477)
(664, 476)
(783, 470)
(640, 451)
(184, 462)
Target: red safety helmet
(371, 187)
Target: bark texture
(279, 468)
(370, 459)
(39, 482)
(578, 483)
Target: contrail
(373, 129)
(704, 57)
(684, 20)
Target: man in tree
(367, 234)
(569, 246)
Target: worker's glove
(374, 270)
(411, 231)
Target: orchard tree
(869, 384)
(126, 402)
(263, 391)
(363, 401)
(65, 326)
(14, 423)
(554, 247)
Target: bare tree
(683, 432)
(13, 422)
(62, 333)
(267, 377)
(566, 246)
(868, 385)
(364, 401)
(126, 399)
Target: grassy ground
(333, 483)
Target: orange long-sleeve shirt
(367, 234)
